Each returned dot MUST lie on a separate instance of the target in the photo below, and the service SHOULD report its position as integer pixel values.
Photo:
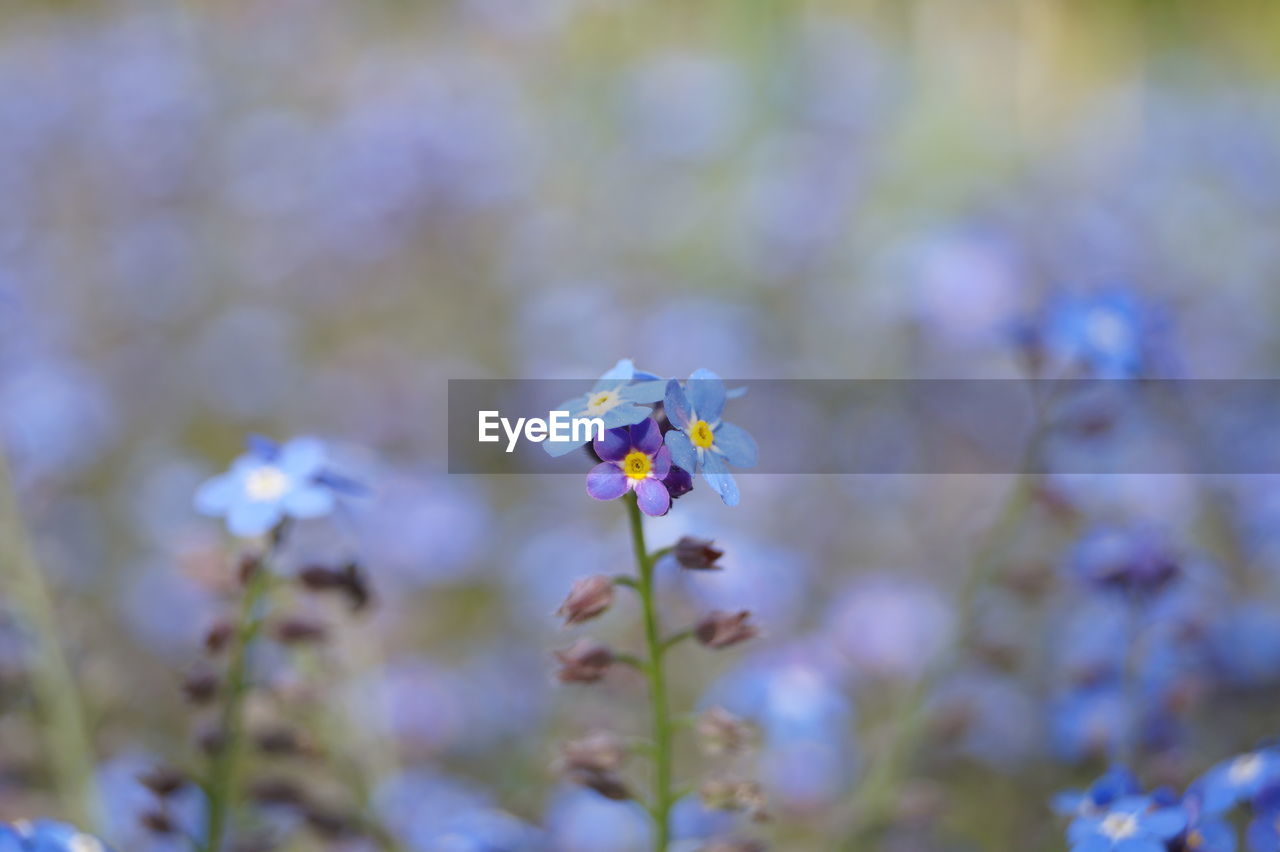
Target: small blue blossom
(1106, 334)
(624, 396)
(1132, 824)
(1207, 833)
(1116, 783)
(47, 836)
(271, 483)
(701, 441)
(1237, 780)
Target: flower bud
(600, 751)
(722, 629)
(348, 580)
(607, 784)
(164, 781)
(588, 598)
(298, 631)
(277, 791)
(728, 794)
(585, 661)
(157, 822)
(218, 636)
(200, 686)
(282, 741)
(722, 733)
(250, 565)
(697, 554)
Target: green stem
(656, 673)
(60, 710)
(223, 780)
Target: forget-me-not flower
(1104, 333)
(1116, 783)
(634, 460)
(47, 836)
(1132, 824)
(268, 484)
(621, 397)
(701, 441)
(1237, 780)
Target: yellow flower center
(601, 402)
(637, 465)
(701, 435)
(266, 483)
(1195, 839)
(84, 843)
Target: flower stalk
(655, 671)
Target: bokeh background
(304, 216)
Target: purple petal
(614, 446)
(606, 481)
(736, 445)
(706, 393)
(653, 497)
(676, 403)
(646, 436)
(682, 452)
(661, 463)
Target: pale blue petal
(311, 501)
(682, 452)
(302, 458)
(653, 497)
(216, 495)
(625, 415)
(1139, 844)
(719, 478)
(1165, 823)
(706, 394)
(679, 409)
(253, 517)
(736, 445)
(619, 373)
(644, 391)
(606, 481)
(1092, 843)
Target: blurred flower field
(245, 245)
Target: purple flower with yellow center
(634, 459)
(621, 397)
(270, 483)
(701, 441)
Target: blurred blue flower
(268, 484)
(434, 813)
(1237, 780)
(581, 820)
(1131, 824)
(1107, 334)
(126, 800)
(47, 836)
(623, 396)
(701, 442)
(1114, 784)
(1133, 560)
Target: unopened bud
(600, 751)
(298, 631)
(607, 784)
(164, 781)
(588, 598)
(585, 661)
(727, 794)
(330, 824)
(722, 629)
(277, 791)
(200, 686)
(721, 732)
(697, 554)
(250, 565)
(218, 636)
(348, 580)
(157, 822)
(281, 741)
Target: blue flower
(1116, 783)
(1132, 824)
(701, 442)
(47, 836)
(621, 397)
(1106, 334)
(1238, 779)
(271, 483)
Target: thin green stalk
(59, 708)
(656, 673)
(223, 782)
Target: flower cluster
(1116, 814)
(654, 452)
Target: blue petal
(1262, 835)
(736, 445)
(676, 402)
(253, 517)
(1139, 844)
(261, 447)
(216, 495)
(706, 393)
(682, 452)
(644, 391)
(619, 373)
(1092, 843)
(310, 501)
(302, 458)
(625, 415)
(1165, 823)
(719, 478)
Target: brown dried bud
(599, 751)
(728, 794)
(722, 629)
(722, 733)
(329, 824)
(218, 636)
(348, 579)
(164, 781)
(607, 784)
(157, 822)
(585, 661)
(200, 686)
(250, 565)
(298, 631)
(282, 741)
(277, 791)
(211, 740)
(697, 554)
(588, 598)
